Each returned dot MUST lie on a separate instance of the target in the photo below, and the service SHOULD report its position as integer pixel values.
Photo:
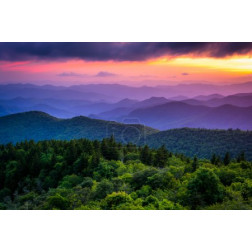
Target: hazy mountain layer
(179, 114)
(116, 92)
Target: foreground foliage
(84, 174)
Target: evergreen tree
(213, 159)
(109, 149)
(216, 160)
(94, 162)
(241, 157)
(195, 164)
(81, 165)
(146, 156)
(226, 159)
(161, 157)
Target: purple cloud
(105, 74)
(70, 74)
(101, 51)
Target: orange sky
(171, 70)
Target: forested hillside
(84, 174)
(201, 142)
(37, 126)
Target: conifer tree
(146, 156)
(161, 157)
(195, 164)
(241, 157)
(226, 159)
(213, 159)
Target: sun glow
(235, 64)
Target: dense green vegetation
(85, 174)
(201, 142)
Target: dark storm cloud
(117, 51)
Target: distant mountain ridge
(167, 91)
(207, 97)
(117, 92)
(240, 100)
(119, 103)
(179, 114)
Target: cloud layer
(118, 51)
(105, 74)
(70, 74)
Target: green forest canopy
(85, 174)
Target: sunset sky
(126, 63)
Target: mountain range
(210, 111)
(38, 126)
(178, 115)
(218, 113)
(117, 92)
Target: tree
(57, 202)
(87, 182)
(106, 169)
(70, 181)
(114, 200)
(12, 175)
(195, 164)
(227, 176)
(169, 205)
(162, 180)
(161, 157)
(81, 165)
(146, 155)
(109, 149)
(151, 202)
(204, 189)
(104, 188)
(226, 159)
(247, 189)
(94, 162)
(213, 159)
(241, 157)
(141, 178)
(218, 161)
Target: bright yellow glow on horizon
(235, 64)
